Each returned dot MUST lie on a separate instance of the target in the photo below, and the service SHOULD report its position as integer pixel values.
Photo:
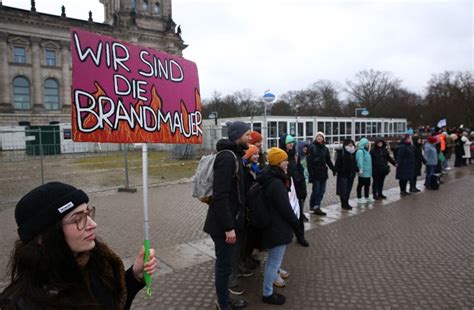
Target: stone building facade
(35, 58)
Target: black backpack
(259, 214)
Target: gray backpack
(204, 177)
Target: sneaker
(238, 303)
(383, 196)
(236, 290)
(405, 193)
(369, 200)
(274, 299)
(283, 273)
(361, 200)
(279, 282)
(318, 211)
(243, 272)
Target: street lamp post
(268, 97)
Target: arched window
(157, 8)
(51, 94)
(145, 5)
(21, 93)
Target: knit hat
(44, 206)
(256, 137)
(276, 156)
(289, 139)
(252, 150)
(236, 130)
(432, 139)
(319, 133)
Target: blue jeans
(430, 169)
(319, 188)
(275, 257)
(223, 268)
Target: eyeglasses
(81, 218)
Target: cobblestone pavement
(409, 253)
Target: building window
(51, 94)
(157, 8)
(50, 58)
(20, 54)
(272, 130)
(348, 128)
(21, 93)
(257, 127)
(293, 129)
(145, 5)
(300, 130)
(282, 128)
(327, 130)
(321, 126)
(309, 129)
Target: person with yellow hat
(284, 219)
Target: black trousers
(363, 183)
(224, 255)
(377, 186)
(300, 233)
(403, 185)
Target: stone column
(5, 100)
(37, 85)
(66, 78)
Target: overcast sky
(286, 45)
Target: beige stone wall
(38, 32)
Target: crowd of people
(284, 172)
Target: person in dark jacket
(60, 263)
(284, 220)
(458, 150)
(254, 235)
(380, 168)
(257, 140)
(346, 169)
(225, 220)
(419, 161)
(318, 159)
(296, 172)
(405, 164)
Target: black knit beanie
(44, 206)
(236, 130)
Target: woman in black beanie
(60, 263)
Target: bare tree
(371, 89)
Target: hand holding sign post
(123, 93)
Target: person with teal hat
(364, 163)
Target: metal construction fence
(31, 156)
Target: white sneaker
(361, 200)
(279, 282)
(370, 200)
(283, 273)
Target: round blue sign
(269, 97)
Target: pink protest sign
(130, 94)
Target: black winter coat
(346, 165)
(226, 212)
(318, 160)
(419, 160)
(380, 159)
(295, 170)
(406, 162)
(283, 220)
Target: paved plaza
(415, 252)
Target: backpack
(259, 215)
(204, 176)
